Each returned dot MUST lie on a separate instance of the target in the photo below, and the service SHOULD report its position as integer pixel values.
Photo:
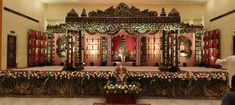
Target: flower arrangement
(121, 75)
(181, 75)
(121, 89)
(109, 74)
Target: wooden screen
(153, 52)
(92, 49)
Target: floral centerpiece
(121, 75)
(121, 86)
(122, 89)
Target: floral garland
(110, 74)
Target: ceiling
(125, 1)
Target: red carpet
(117, 104)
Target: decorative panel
(211, 48)
(37, 48)
(153, 52)
(92, 49)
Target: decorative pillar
(177, 48)
(109, 50)
(169, 51)
(69, 44)
(163, 48)
(80, 46)
(68, 66)
(138, 50)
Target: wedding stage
(121, 34)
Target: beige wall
(1, 8)
(192, 13)
(21, 26)
(226, 25)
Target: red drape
(130, 41)
(116, 43)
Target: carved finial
(174, 12)
(163, 13)
(122, 6)
(72, 13)
(83, 13)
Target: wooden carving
(123, 14)
(122, 10)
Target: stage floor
(112, 68)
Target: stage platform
(112, 68)
(189, 83)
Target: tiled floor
(90, 101)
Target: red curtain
(116, 43)
(130, 41)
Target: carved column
(109, 50)
(138, 49)
(177, 48)
(80, 46)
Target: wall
(21, 26)
(192, 13)
(214, 8)
(1, 33)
